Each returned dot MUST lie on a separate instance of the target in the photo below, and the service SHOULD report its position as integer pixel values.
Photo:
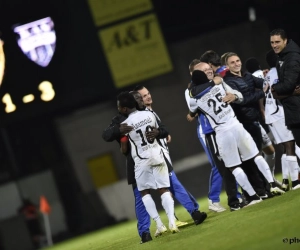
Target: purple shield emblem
(37, 40)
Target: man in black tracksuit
(288, 68)
(248, 114)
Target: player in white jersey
(184, 197)
(274, 117)
(151, 171)
(234, 142)
(219, 174)
(253, 66)
(2, 61)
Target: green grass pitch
(262, 226)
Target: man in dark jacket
(288, 68)
(247, 113)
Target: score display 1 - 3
(47, 94)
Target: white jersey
(143, 151)
(273, 107)
(187, 97)
(220, 115)
(258, 73)
(228, 89)
(162, 142)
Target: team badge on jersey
(37, 40)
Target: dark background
(74, 69)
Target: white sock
(264, 168)
(293, 167)
(243, 181)
(168, 204)
(297, 150)
(270, 159)
(284, 167)
(151, 209)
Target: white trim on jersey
(143, 151)
(220, 115)
(163, 141)
(258, 73)
(273, 107)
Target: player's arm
(115, 130)
(258, 82)
(262, 107)
(232, 95)
(2, 61)
(158, 132)
(276, 96)
(124, 144)
(193, 108)
(163, 131)
(291, 76)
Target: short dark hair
(126, 100)
(192, 64)
(279, 32)
(223, 58)
(252, 65)
(212, 57)
(138, 87)
(229, 54)
(271, 58)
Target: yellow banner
(107, 11)
(102, 170)
(135, 50)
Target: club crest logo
(37, 40)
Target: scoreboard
(54, 61)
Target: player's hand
(266, 87)
(190, 118)
(297, 90)
(124, 128)
(263, 117)
(218, 80)
(151, 135)
(169, 139)
(274, 94)
(265, 72)
(229, 98)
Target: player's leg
(247, 149)
(229, 181)
(143, 218)
(215, 179)
(254, 129)
(269, 152)
(170, 169)
(295, 128)
(292, 163)
(289, 161)
(229, 151)
(145, 182)
(161, 178)
(186, 199)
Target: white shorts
(236, 145)
(151, 177)
(266, 141)
(280, 132)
